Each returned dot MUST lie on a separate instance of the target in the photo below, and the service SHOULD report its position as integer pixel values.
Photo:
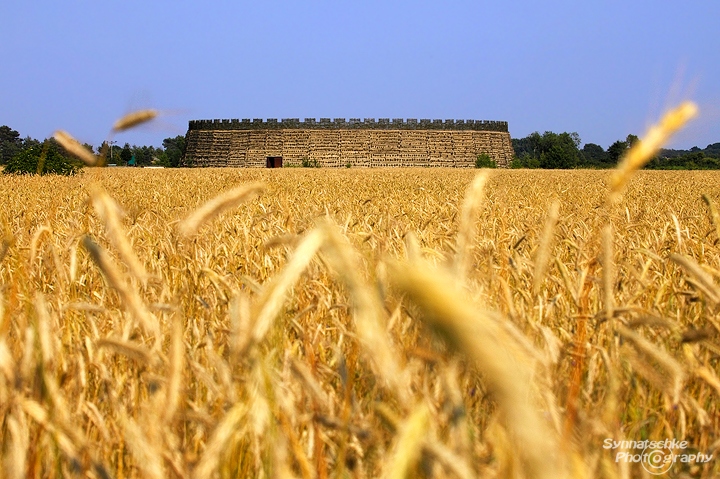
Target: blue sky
(601, 68)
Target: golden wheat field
(358, 323)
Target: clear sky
(601, 68)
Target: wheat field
(356, 323)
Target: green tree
(525, 161)
(549, 150)
(144, 155)
(126, 154)
(484, 161)
(28, 142)
(559, 150)
(525, 146)
(45, 158)
(618, 149)
(174, 150)
(631, 140)
(103, 151)
(712, 150)
(595, 156)
(10, 143)
(697, 160)
(161, 158)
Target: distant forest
(15, 149)
(562, 150)
(547, 150)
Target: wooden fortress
(340, 143)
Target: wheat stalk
(108, 210)
(128, 294)
(466, 230)
(72, 146)
(475, 332)
(644, 150)
(542, 255)
(134, 119)
(214, 207)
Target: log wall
(337, 143)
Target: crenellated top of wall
(351, 124)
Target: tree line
(29, 155)
(562, 150)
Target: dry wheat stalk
(15, 457)
(408, 447)
(466, 229)
(608, 272)
(177, 360)
(40, 415)
(128, 294)
(450, 461)
(217, 205)
(273, 296)
(44, 330)
(699, 278)
(72, 146)
(150, 461)
(475, 332)
(108, 211)
(217, 443)
(126, 348)
(7, 364)
(714, 215)
(645, 149)
(35, 242)
(367, 312)
(134, 119)
(674, 371)
(542, 255)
